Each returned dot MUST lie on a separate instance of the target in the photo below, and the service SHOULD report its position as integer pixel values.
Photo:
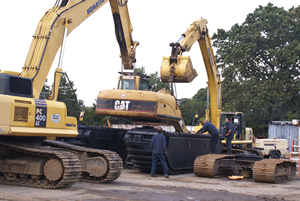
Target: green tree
(90, 117)
(189, 107)
(260, 65)
(155, 82)
(154, 79)
(67, 94)
(45, 93)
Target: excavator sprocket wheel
(53, 170)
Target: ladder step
(296, 146)
(294, 152)
(294, 159)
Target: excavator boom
(180, 67)
(212, 164)
(49, 36)
(123, 29)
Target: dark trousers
(213, 142)
(228, 144)
(162, 159)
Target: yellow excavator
(178, 68)
(30, 155)
(156, 108)
(151, 109)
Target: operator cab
(133, 81)
(238, 122)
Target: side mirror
(81, 115)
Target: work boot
(167, 176)
(153, 175)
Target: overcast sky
(92, 52)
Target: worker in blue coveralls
(159, 151)
(229, 134)
(213, 131)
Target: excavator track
(182, 149)
(71, 168)
(113, 166)
(263, 170)
(102, 138)
(205, 166)
(274, 171)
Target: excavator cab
(242, 136)
(238, 122)
(15, 86)
(133, 81)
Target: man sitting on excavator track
(213, 131)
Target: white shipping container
(283, 130)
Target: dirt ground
(133, 185)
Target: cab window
(126, 84)
(223, 122)
(144, 85)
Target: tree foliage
(67, 94)
(45, 93)
(260, 62)
(154, 79)
(189, 107)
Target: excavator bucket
(183, 72)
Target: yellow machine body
(178, 69)
(141, 105)
(20, 115)
(34, 117)
(133, 99)
(26, 121)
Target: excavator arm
(123, 29)
(60, 21)
(178, 68)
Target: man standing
(234, 129)
(228, 135)
(213, 131)
(159, 150)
